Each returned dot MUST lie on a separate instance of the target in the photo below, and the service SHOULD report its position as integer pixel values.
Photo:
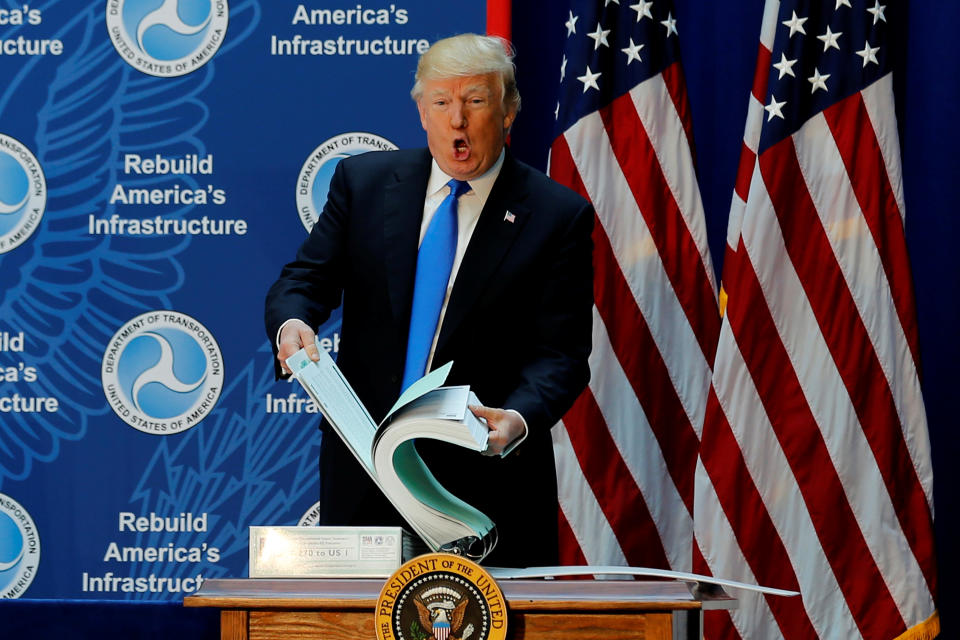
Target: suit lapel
(403, 211)
(501, 221)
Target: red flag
(815, 470)
(626, 451)
(498, 18)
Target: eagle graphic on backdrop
(71, 290)
(443, 618)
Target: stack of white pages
(387, 452)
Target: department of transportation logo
(314, 181)
(19, 548)
(441, 596)
(311, 517)
(23, 193)
(162, 372)
(167, 38)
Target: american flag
(815, 470)
(626, 451)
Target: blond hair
(469, 54)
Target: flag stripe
(612, 484)
(745, 172)
(783, 395)
(648, 374)
(755, 117)
(563, 169)
(568, 539)
(751, 134)
(739, 496)
(656, 103)
(865, 165)
(752, 608)
(878, 101)
(771, 476)
(636, 444)
(761, 74)
(769, 23)
(596, 540)
(591, 542)
(737, 208)
(680, 256)
(843, 329)
(799, 436)
(676, 86)
(718, 621)
(636, 348)
(837, 202)
(862, 271)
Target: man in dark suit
(517, 311)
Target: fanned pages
(424, 410)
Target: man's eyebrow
(478, 88)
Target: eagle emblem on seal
(441, 612)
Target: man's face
(466, 123)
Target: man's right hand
(296, 335)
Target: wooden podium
(328, 609)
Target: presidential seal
(162, 372)
(441, 596)
(167, 38)
(19, 548)
(313, 184)
(23, 193)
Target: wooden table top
(530, 595)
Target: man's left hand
(505, 427)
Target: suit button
(394, 378)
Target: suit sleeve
(556, 368)
(311, 286)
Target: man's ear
(509, 118)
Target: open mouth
(461, 150)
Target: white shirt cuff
(516, 441)
(280, 330)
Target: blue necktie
(434, 262)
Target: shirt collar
(482, 185)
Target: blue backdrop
(156, 171)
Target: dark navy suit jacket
(517, 327)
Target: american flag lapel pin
(509, 217)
